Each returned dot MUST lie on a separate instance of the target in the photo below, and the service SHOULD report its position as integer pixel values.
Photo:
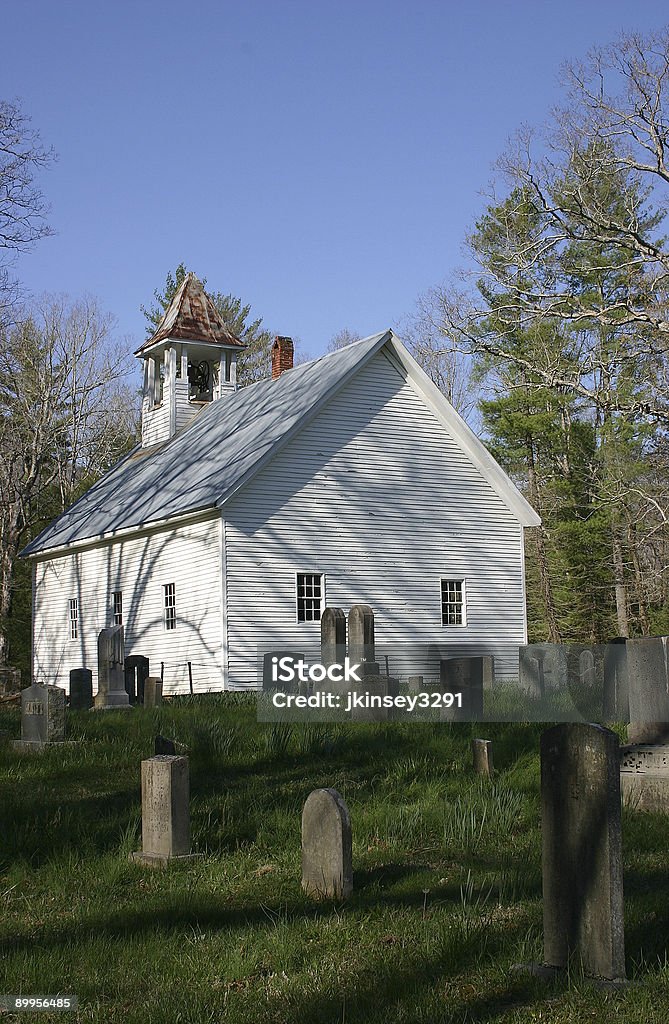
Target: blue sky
(321, 160)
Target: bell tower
(190, 361)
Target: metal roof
(192, 315)
(210, 457)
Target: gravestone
(164, 746)
(136, 672)
(81, 689)
(542, 667)
(333, 637)
(268, 667)
(375, 689)
(42, 715)
(327, 870)
(616, 683)
(644, 777)
(582, 849)
(482, 757)
(111, 678)
(165, 810)
(153, 692)
(415, 684)
(488, 671)
(361, 638)
(648, 681)
(465, 676)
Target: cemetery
(178, 859)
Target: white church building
(245, 511)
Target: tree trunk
(542, 554)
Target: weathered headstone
(361, 638)
(616, 683)
(272, 667)
(111, 678)
(153, 692)
(582, 849)
(644, 777)
(136, 673)
(165, 810)
(42, 715)
(415, 684)
(333, 637)
(374, 690)
(648, 680)
(81, 689)
(542, 667)
(464, 676)
(482, 757)
(326, 846)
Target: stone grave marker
(648, 680)
(482, 757)
(268, 666)
(488, 671)
(465, 676)
(327, 870)
(42, 715)
(165, 810)
(644, 777)
(582, 849)
(542, 667)
(136, 672)
(111, 677)
(616, 682)
(376, 688)
(361, 638)
(153, 692)
(333, 637)
(81, 689)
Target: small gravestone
(582, 849)
(361, 637)
(488, 671)
(42, 715)
(81, 689)
(164, 746)
(165, 810)
(482, 757)
(135, 673)
(415, 684)
(464, 676)
(648, 681)
(333, 637)
(542, 667)
(153, 692)
(327, 870)
(271, 667)
(644, 777)
(111, 676)
(374, 689)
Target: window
(117, 608)
(170, 606)
(452, 602)
(74, 618)
(309, 596)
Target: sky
(321, 160)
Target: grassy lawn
(447, 881)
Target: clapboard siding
(188, 555)
(375, 494)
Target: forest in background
(551, 341)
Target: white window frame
(73, 619)
(169, 607)
(463, 601)
(117, 607)
(321, 576)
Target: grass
(447, 881)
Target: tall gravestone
(464, 676)
(648, 681)
(136, 672)
(582, 849)
(361, 649)
(42, 715)
(81, 689)
(165, 810)
(616, 682)
(326, 846)
(333, 637)
(111, 675)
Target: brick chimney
(282, 356)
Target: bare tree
(22, 206)
(66, 414)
